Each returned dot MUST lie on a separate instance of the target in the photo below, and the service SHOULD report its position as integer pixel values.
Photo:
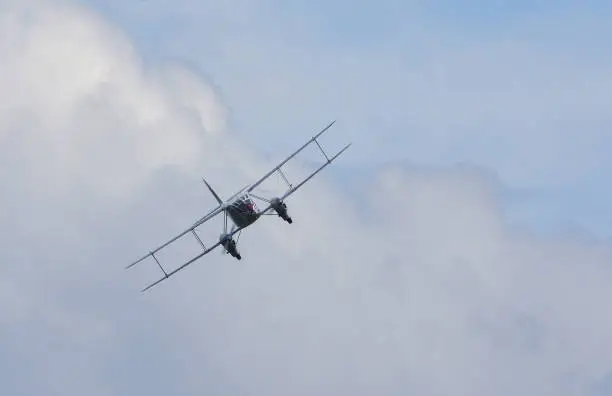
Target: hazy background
(460, 247)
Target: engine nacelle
(281, 209)
(230, 245)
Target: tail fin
(212, 192)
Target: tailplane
(212, 192)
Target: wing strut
(159, 264)
(329, 161)
(191, 261)
(195, 234)
(282, 174)
(277, 167)
(321, 148)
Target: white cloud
(78, 100)
(434, 295)
(422, 290)
(83, 125)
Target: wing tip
(137, 261)
(341, 151)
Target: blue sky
(335, 45)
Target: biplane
(241, 209)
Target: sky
(515, 87)
(461, 246)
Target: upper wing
(278, 167)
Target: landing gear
(281, 209)
(230, 246)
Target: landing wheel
(289, 220)
(239, 257)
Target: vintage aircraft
(242, 210)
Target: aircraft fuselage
(243, 211)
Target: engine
(230, 245)
(281, 209)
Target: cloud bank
(80, 107)
(417, 287)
